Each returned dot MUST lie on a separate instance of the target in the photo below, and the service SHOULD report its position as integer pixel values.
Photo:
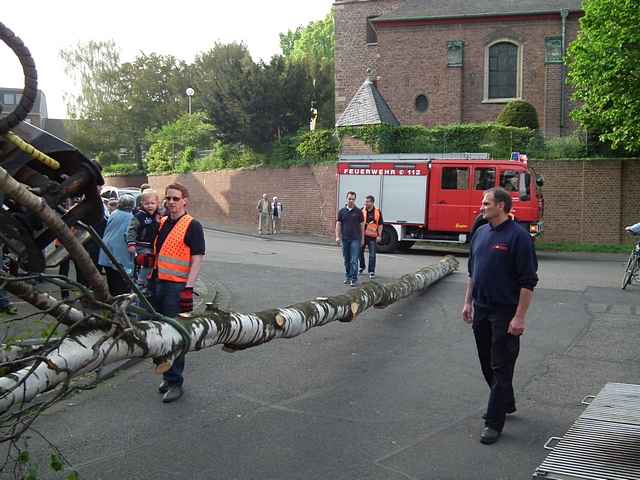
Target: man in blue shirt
(502, 276)
(350, 232)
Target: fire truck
(437, 197)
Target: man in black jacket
(502, 276)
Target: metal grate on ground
(603, 443)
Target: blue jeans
(350, 253)
(371, 245)
(165, 298)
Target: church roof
(367, 107)
(430, 9)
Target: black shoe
(353, 283)
(346, 281)
(489, 436)
(361, 270)
(174, 392)
(509, 411)
(163, 387)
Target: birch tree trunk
(85, 352)
(36, 204)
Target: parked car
(114, 193)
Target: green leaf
(23, 457)
(73, 476)
(56, 463)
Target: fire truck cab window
(455, 178)
(510, 180)
(485, 178)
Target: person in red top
(372, 232)
(179, 249)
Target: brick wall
(585, 201)
(230, 196)
(589, 201)
(411, 59)
(354, 146)
(128, 181)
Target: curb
(270, 238)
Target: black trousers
(497, 352)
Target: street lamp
(190, 91)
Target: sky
(182, 29)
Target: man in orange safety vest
(372, 233)
(179, 248)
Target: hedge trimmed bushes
(497, 140)
(519, 113)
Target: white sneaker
(372, 275)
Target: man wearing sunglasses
(178, 252)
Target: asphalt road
(397, 394)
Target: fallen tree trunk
(87, 351)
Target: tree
(172, 147)
(283, 106)
(314, 47)
(118, 102)
(93, 68)
(225, 79)
(604, 69)
(153, 93)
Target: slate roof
(425, 9)
(367, 107)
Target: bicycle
(633, 264)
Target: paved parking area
(397, 394)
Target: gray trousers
(264, 223)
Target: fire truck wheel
(405, 245)
(389, 240)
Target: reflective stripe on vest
(371, 229)
(174, 259)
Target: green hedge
(305, 148)
(497, 140)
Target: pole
(189, 104)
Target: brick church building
(452, 61)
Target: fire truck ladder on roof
(603, 443)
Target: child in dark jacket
(142, 233)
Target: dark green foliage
(284, 152)
(519, 113)
(227, 156)
(318, 146)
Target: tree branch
(81, 258)
(89, 350)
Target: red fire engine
(436, 197)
